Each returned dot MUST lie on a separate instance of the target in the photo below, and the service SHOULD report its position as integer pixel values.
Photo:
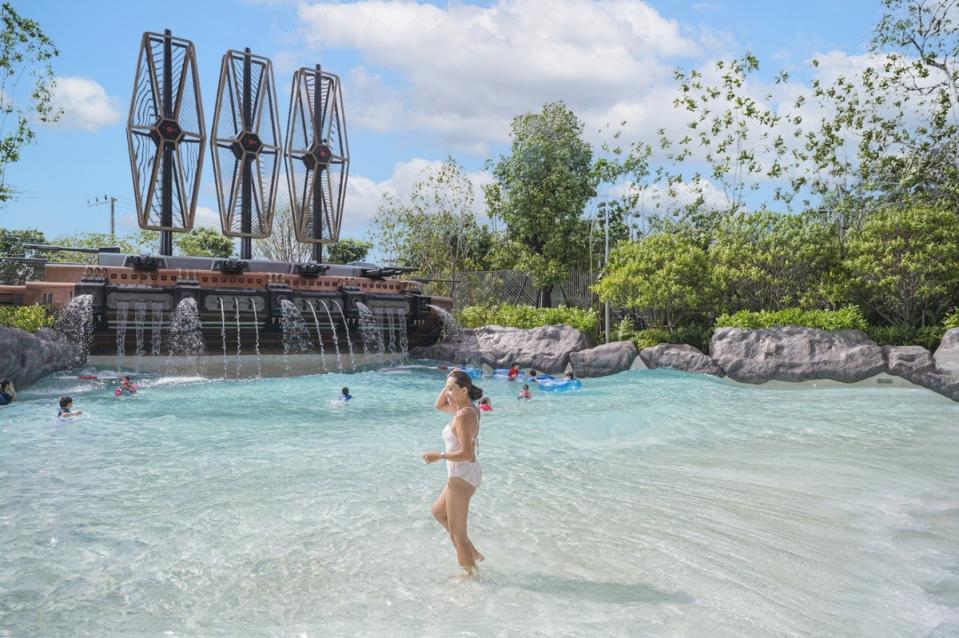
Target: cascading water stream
(319, 335)
(256, 329)
(223, 335)
(239, 343)
(401, 322)
(388, 315)
(186, 331)
(370, 330)
(139, 321)
(336, 341)
(349, 341)
(75, 320)
(450, 326)
(296, 338)
(123, 311)
(156, 333)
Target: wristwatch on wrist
(443, 455)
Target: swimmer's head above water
(459, 386)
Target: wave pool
(649, 503)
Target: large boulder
(792, 353)
(906, 361)
(947, 354)
(603, 360)
(25, 357)
(679, 357)
(545, 349)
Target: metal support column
(166, 210)
(318, 172)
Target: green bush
(928, 338)
(951, 321)
(28, 318)
(842, 319)
(521, 316)
(696, 337)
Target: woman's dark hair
(65, 401)
(463, 380)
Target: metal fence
(508, 286)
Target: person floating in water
(461, 440)
(570, 376)
(66, 408)
(125, 387)
(513, 372)
(345, 394)
(8, 394)
(532, 376)
(524, 393)
(485, 405)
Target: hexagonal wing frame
(165, 133)
(317, 156)
(245, 145)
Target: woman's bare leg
(458, 495)
(440, 514)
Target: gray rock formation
(792, 353)
(916, 365)
(603, 360)
(545, 349)
(679, 357)
(25, 357)
(947, 354)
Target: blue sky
(421, 80)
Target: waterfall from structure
(450, 327)
(370, 330)
(123, 312)
(349, 341)
(296, 338)
(186, 331)
(75, 320)
(319, 335)
(256, 329)
(336, 340)
(388, 315)
(239, 343)
(139, 324)
(156, 333)
(223, 335)
(401, 323)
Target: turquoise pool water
(649, 503)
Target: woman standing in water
(461, 438)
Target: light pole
(107, 199)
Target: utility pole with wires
(107, 199)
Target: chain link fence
(488, 287)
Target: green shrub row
(842, 319)
(928, 338)
(28, 318)
(521, 316)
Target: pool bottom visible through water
(648, 503)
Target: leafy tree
(11, 245)
(90, 240)
(541, 190)
(665, 275)
(347, 251)
(203, 242)
(905, 265)
(282, 245)
(770, 261)
(435, 229)
(25, 54)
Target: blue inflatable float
(560, 385)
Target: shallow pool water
(650, 503)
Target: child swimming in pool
(125, 387)
(532, 376)
(524, 394)
(513, 372)
(66, 408)
(345, 395)
(485, 405)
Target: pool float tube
(474, 373)
(560, 385)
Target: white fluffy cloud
(364, 195)
(85, 104)
(467, 70)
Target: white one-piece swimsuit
(469, 471)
